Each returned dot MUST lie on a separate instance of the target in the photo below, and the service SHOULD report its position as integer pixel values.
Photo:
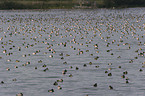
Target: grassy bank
(36, 4)
(68, 4)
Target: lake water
(37, 46)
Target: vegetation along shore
(69, 4)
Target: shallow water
(49, 35)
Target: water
(56, 37)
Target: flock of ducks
(97, 39)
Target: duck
(45, 69)
(77, 68)
(51, 90)
(110, 87)
(59, 87)
(85, 65)
(70, 75)
(55, 83)
(60, 80)
(95, 85)
(19, 94)
(2, 82)
(110, 74)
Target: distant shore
(67, 4)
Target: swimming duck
(2, 82)
(110, 87)
(19, 94)
(45, 69)
(55, 83)
(51, 90)
(59, 87)
(95, 85)
(77, 68)
(110, 74)
(70, 75)
(60, 80)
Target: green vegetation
(60, 4)
(124, 3)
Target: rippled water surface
(36, 47)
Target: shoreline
(66, 9)
(68, 4)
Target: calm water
(65, 39)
